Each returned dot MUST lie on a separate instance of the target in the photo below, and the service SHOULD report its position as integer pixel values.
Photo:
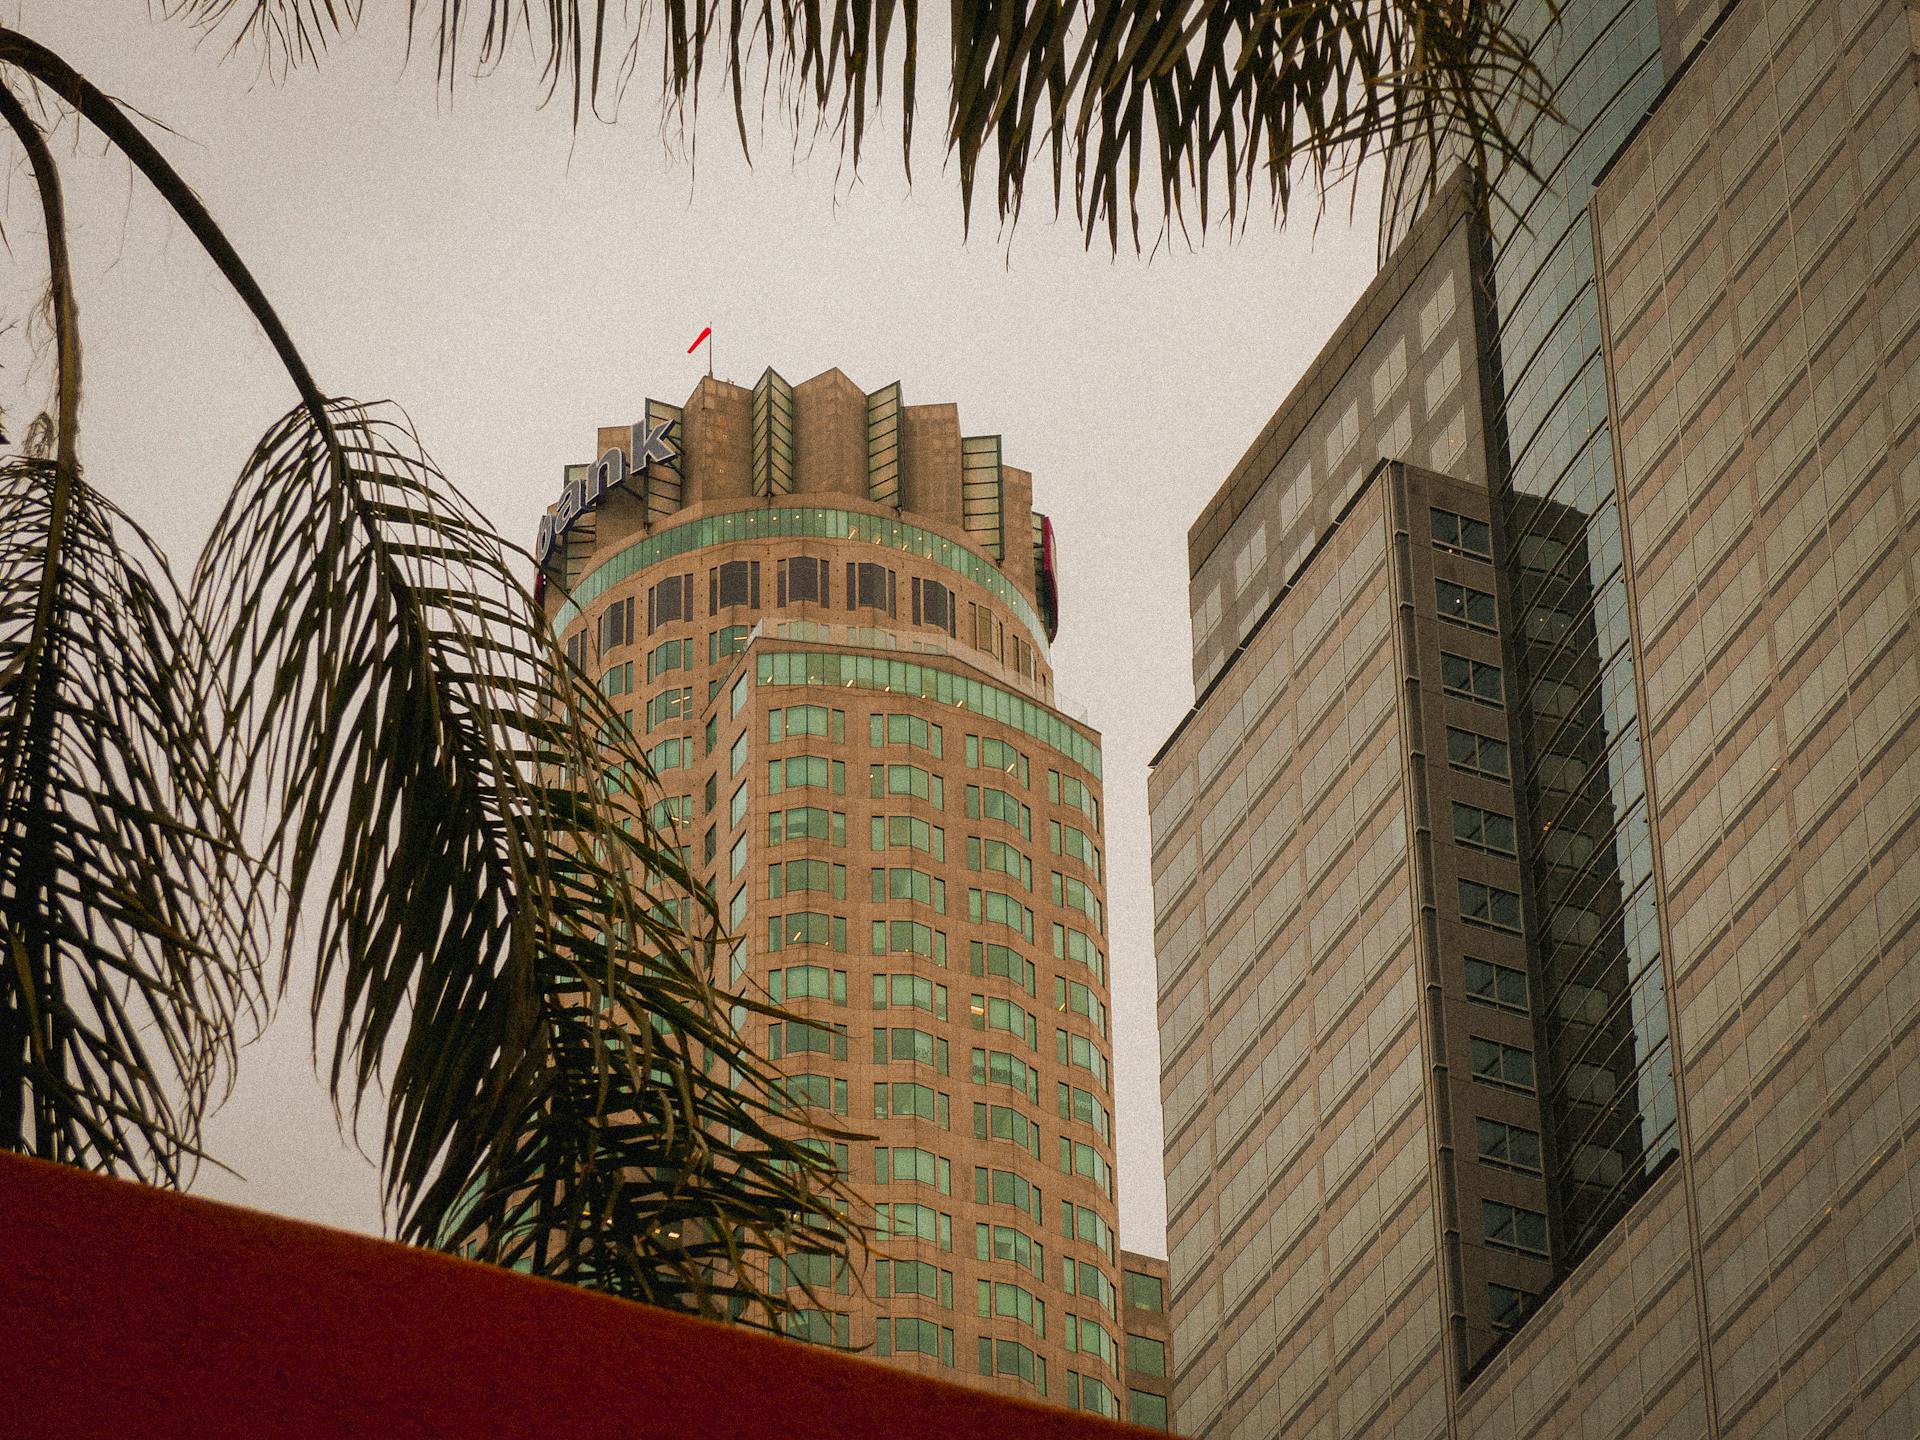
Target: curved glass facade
(1600, 1006)
(906, 677)
(761, 522)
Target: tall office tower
(832, 614)
(1705, 491)
(1760, 292)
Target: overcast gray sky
(515, 284)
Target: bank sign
(649, 444)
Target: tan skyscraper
(831, 615)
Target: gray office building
(1537, 875)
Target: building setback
(1149, 1342)
(1665, 1008)
(1307, 983)
(830, 614)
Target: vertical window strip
(981, 483)
(883, 445)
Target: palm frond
(129, 953)
(1184, 97)
(500, 917)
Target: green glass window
(899, 1042)
(997, 1067)
(903, 882)
(985, 802)
(912, 730)
(807, 822)
(912, 992)
(914, 1222)
(991, 907)
(1071, 944)
(1004, 1242)
(803, 1037)
(807, 982)
(998, 855)
(806, 927)
(1090, 1282)
(1003, 1122)
(991, 754)
(1079, 1223)
(990, 1012)
(1078, 1050)
(1146, 1356)
(1079, 1158)
(1006, 1187)
(906, 1164)
(909, 937)
(911, 780)
(909, 832)
(812, 1092)
(802, 772)
(1081, 1105)
(905, 1099)
(985, 959)
(1147, 1410)
(792, 720)
(1071, 996)
(893, 1278)
(786, 876)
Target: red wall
(142, 1314)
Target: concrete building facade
(1704, 447)
(833, 615)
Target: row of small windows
(807, 580)
(911, 937)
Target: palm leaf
(565, 1090)
(128, 957)
(1192, 93)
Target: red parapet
(142, 1314)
